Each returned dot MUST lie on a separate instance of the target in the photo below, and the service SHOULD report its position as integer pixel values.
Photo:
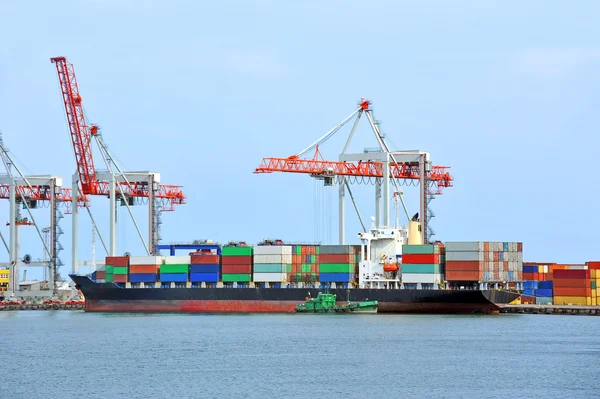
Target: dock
(553, 309)
(31, 306)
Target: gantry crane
(383, 165)
(126, 186)
(29, 191)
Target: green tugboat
(326, 303)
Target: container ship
(388, 267)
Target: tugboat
(326, 303)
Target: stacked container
(337, 263)
(236, 264)
(272, 263)
(305, 261)
(422, 263)
(544, 293)
(204, 268)
(116, 269)
(144, 269)
(594, 268)
(573, 287)
(175, 269)
(484, 261)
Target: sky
(503, 92)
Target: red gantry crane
(383, 165)
(126, 186)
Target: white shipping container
(177, 260)
(466, 256)
(268, 277)
(145, 260)
(285, 258)
(546, 269)
(100, 268)
(273, 250)
(469, 246)
(520, 257)
(413, 278)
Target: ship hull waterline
(106, 297)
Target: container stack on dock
(272, 263)
(304, 263)
(204, 268)
(144, 269)
(484, 261)
(573, 287)
(236, 264)
(422, 263)
(116, 269)
(175, 269)
(337, 263)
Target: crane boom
(80, 133)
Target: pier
(553, 309)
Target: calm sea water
(72, 354)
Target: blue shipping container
(544, 292)
(543, 300)
(336, 277)
(173, 278)
(206, 277)
(532, 285)
(530, 269)
(204, 269)
(143, 278)
(486, 276)
(529, 292)
(500, 255)
(545, 285)
(505, 246)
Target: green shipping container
(425, 269)
(109, 278)
(298, 276)
(594, 285)
(120, 270)
(288, 268)
(298, 250)
(237, 251)
(305, 268)
(313, 259)
(317, 250)
(426, 249)
(336, 268)
(174, 269)
(271, 268)
(110, 269)
(236, 278)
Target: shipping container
(337, 268)
(205, 260)
(145, 260)
(421, 268)
(543, 292)
(570, 283)
(570, 300)
(174, 268)
(467, 256)
(143, 278)
(236, 278)
(269, 277)
(173, 277)
(272, 250)
(236, 269)
(336, 258)
(236, 260)
(468, 246)
(336, 277)
(109, 278)
(100, 275)
(427, 249)
(285, 258)
(412, 278)
(120, 278)
(571, 291)
(177, 260)
(452, 275)
(204, 269)
(464, 266)
(117, 261)
(143, 269)
(540, 300)
(110, 269)
(417, 259)
(270, 268)
(204, 277)
(237, 251)
(337, 249)
(120, 270)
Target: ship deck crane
(384, 165)
(115, 183)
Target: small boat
(326, 303)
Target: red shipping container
(536, 276)
(119, 261)
(204, 259)
(593, 265)
(312, 250)
(486, 247)
(580, 274)
(527, 276)
(571, 283)
(571, 291)
(236, 269)
(236, 260)
(462, 276)
(336, 258)
(496, 256)
(496, 267)
(519, 247)
(120, 278)
(506, 265)
(314, 268)
(101, 275)
(520, 275)
(143, 269)
(471, 266)
(527, 299)
(420, 259)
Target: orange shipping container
(571, 283)
(462, 275)
(470, 266)
(570, 291)
(336, 258)
(143, 269)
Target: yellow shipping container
(597, 292)
(4, 276)
(571, 300)
(588, 301)
(594, 301)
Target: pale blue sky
(504, 92)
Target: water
(72, 354)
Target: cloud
(555, 62)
